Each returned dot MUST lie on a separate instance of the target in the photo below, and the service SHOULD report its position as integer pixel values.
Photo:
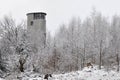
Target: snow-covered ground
(88, 74)
(85, 74)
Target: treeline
(95, 40)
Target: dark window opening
(39, 16)
(45, 34)
(31, 23)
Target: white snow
(86, 74)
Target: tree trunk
(77, 62)
(100, 62)
(117, 62)
(21, 65)
(81, 64)
(84, 56)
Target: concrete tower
(36, 25)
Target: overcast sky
(58, 11)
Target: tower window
(39, 16)
(45, 34)
(31, 23)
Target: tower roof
(36, 13)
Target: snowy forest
(95, 40)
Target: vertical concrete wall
(37, 29)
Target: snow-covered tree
(115, 43)
(14, 45)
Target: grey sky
(58, 11)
